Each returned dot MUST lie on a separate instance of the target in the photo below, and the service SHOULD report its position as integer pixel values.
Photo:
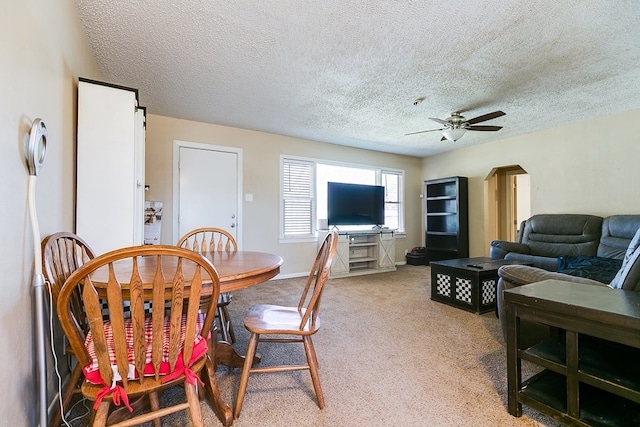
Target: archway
(507, 201)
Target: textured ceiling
(347, 72)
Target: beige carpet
(389, 356)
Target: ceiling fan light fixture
(453, 134)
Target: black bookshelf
(446, 220)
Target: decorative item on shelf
(152, 222)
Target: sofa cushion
(547, 263)
(596, 268)
(555, 235)
(628, 278)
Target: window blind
(297, 197)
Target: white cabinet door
(110, 167)
(387, 251)
(340, 262)
(139, 165)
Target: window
(298, 198)
(393, 206)
(304, 193)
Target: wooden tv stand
(363, 252)
(589, 373)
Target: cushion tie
(189, 376)
(118, 393)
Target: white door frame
(176, 183)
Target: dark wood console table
(589, 372)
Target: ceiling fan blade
(442, 122)
(484, 128)
(485, 117)
(423, 131)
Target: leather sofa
(542, 239)
(544, 244)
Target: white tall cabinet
(110, 166)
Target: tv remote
(475, 266)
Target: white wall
(587, 167)
(42, 50)
(261, 155)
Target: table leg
(208, 376)
(226, 355)
(573, 384)
(514, 372)
(220, 353)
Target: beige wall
(261, 157)
(43, 50)
(587, 167)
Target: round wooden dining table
(242, 269)
(236, 270)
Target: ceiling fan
(456, 125)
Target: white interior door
(208, 189)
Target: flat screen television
(355, 204)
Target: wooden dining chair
(62, 254)
(128, 354)
(211, 239)
(284, 324)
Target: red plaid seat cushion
(92, 374)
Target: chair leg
(154, 403)
(101, 415)
(313, 368)
(228, 324)
(194, 405)
(223, 323)
(74, 379)
(246, 371)
(121, 413)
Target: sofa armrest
(512, 276)
(500, 248)
(518, 275)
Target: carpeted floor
(388, 355)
